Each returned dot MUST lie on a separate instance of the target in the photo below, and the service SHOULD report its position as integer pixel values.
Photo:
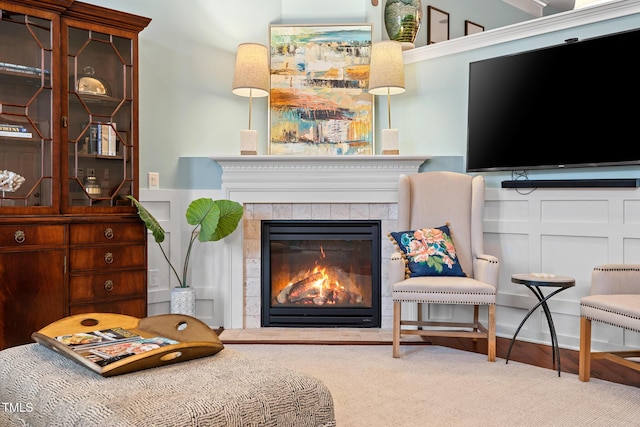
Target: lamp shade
(386, 69)
(251, 75)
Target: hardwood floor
(522, 351)
(540, 355)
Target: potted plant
(213, 220)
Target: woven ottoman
(41, 388)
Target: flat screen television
(570, 105)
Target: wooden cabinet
(107, 267)
(70, 240)
(32, 285)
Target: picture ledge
(521, 30)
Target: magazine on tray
(104, 355)
(113, 344)
(83, 340)
(110, 345)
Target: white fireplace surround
(302, 180)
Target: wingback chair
(429, 200)
(614, 300)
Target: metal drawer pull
(108, 285)
(19, 236)
(108, 233)
(108, 257)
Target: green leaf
(150, 222)
(204, 213)
(230, 215)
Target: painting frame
(472, 28)
(319, 103)
(438, 25)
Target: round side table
(534, 282)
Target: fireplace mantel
(314, 179)
(302, 179)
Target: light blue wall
(187, 57)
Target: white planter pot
(183, 301)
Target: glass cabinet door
(100, 163)
(26, 100)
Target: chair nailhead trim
(449, 293)
(446, 302)
(617, 269)
(613, 312)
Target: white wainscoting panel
(565, 232)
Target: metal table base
(533, 282)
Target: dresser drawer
(132, 307)
(106, 285)
(93, 234)
(123, 256)
(31, 235)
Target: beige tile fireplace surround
(319, 187)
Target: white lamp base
(248, 142)
(390, 141)
(407, 45)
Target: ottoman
(40, 388)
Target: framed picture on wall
(319, 102)
(472, 27)
(438, 25)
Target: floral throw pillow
(428, 252)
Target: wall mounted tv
(570, 105)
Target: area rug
(439, 386)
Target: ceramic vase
(183, 301)
(402, 19)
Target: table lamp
(251, 79)
(386, 77)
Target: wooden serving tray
(195, 340)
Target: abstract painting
(319, 103)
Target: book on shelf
(93, 139)
(117, 344)
(104, 139)
(15, 131)
(113, 138)
(108, 139)
(22, 69)
(16, 134)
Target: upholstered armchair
(456, 201)
(614, 300)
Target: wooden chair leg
(491, 334)
(396, 328)
(584, 367)
(476, 311)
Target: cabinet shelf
(100, 156)
(14, 139)
(27, 79)
(98, 99)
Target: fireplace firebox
(322, 273)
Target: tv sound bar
(573, 183)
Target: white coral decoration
(10, 181)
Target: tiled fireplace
(304, 188)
